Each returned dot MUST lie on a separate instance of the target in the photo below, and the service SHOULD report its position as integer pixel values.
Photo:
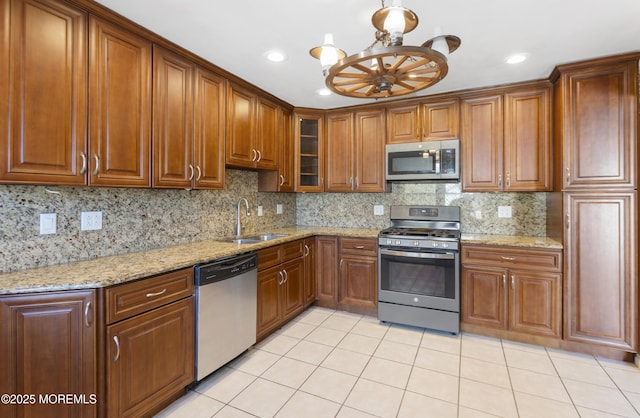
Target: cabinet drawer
(127, 300)
(268, 257)
(359, 246)
(291, 250)
(511, 257)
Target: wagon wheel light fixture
(387, 68)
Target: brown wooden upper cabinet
(283, 179)
(355, 151)
(188, 123)
(423, 121)
(119, 106)
(309, 152)
(254, 130)
(595, 126)
(506, 140)
(44, 89)
(48, 85)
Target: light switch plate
(504, 211)
(90, 221)
(378, 210)
(279, 209)
(47, 223)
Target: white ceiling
(236, 34)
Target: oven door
(427, 279)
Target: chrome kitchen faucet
(248, 213)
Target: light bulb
(329, 54)
(395, 24)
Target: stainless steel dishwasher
(226, 304)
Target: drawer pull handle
(83, 169)
(281, 180)
(191, 172)
(115, 340)
(508, 258)
(281, 281)
(504, 281)
(162, 292)
(306, 250)
(86, 314)
(199, 173)
(97, 169)
(359, 247)
(286, 276)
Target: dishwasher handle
(225, 268)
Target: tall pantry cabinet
(595, 164)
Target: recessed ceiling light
(276, 56)
(324, 92)
(516, 58)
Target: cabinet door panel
(358, 282)
(484, 297)
(172, 119)
(440, 120)
(482, 139)
(369, 151)
(600, 111)
(209, 130)
(403, 124)
(48, 346)
(310, 272)
(292, 290)
(327, 271)
(309, 152)
(269, 308)
(600, 269)
(536, 303)
(339, 161)
(152, 361)
(240, 150)
(527, 141)
(119, 106)
(268, 135)
(47, 90)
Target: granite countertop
(108, 271)
(511, 240)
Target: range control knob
(389, 241)
(416, 300)
(434, 244)
(445, 245)
(416, 243)
(398, 242)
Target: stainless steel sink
(252, 239)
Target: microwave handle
(438, 164)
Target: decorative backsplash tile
(132, 219)
(356, 209)
(141, 219)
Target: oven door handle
(443, 256)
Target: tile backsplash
(141, 219)
(132, 219)
(356, 209)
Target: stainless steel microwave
(431, 160)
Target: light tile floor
(335, 364)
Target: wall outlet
(259, 210)
(90, 221)
(47, 223)
(477, 214)
(504, 211)
(279, 209)
(378, 210)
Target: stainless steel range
(419, 268)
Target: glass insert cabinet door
(309, 153)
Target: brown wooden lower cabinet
(327, 272)
(347, 274)
(150, 355)
(310, 272)
(281, 286)
(48, 346)
(518, 290)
